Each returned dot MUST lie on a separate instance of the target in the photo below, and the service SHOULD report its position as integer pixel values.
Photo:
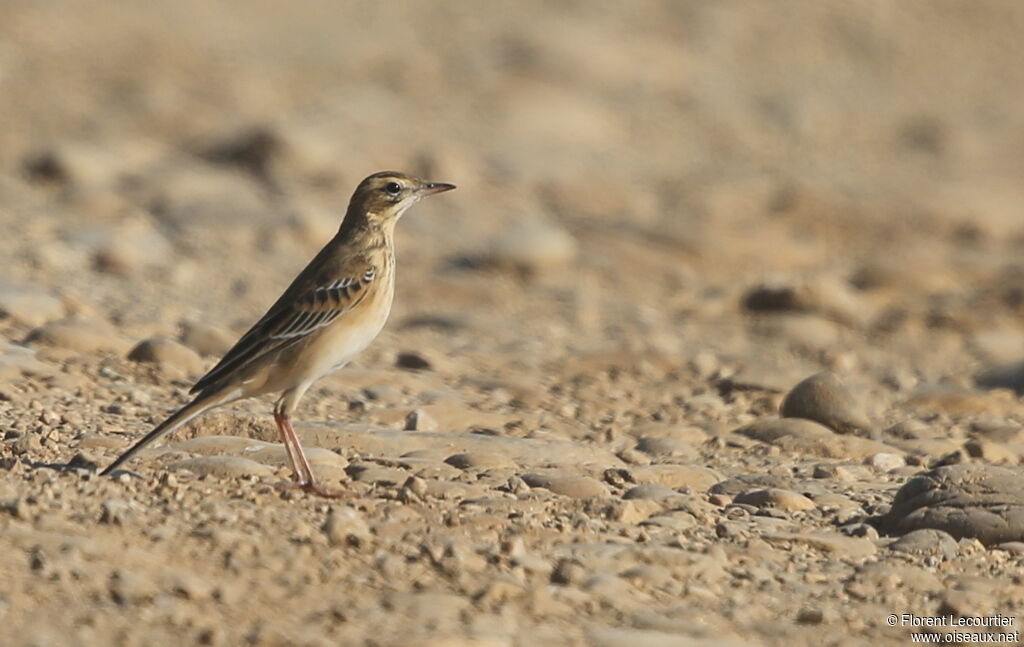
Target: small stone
(346, 527)
(568, 484)
(531, 246)
(824, 398)
(636, 510)
(222, 467)
(835, 472)
(479, 461)
(885, 462)
(374, 473)
(413, 361)
(665, 447)
(927, 541)
(696, 477)
(83, 462)
(568, 571)
(168, 355)
(808, 616)
(828, 296)
(650, 491)
(420, 420)
(775, 498)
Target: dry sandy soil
(583, 424)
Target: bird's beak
(430, 188)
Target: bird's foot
(312, 487)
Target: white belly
(347, 338)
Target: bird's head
(383, 197)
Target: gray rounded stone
(824, 398)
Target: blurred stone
(413, 361)
(927, 541)
(252, 149)
(222, 467)
(533, 246)
(169, 355)
(1005, 376)
(420, 420)
(479, 461)
(885, 462)
(824, 398)
(825, 295)
(649, 491)
(132, 246)
(567, 484)
(665, 447)
(346, 527)
(775, 498)
(695, 477)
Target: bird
(332, 311)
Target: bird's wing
(312, 302)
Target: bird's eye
(392, 188)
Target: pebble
(885, 462)
(927, 541)
(650, 491)
(216, 444)
(664, 447)
(567, 484)
(826, 295)
(420, 420)
(775, 498)
(825, 399)
(117, 511)
(275, 454)
(374, 473)
(222, 467)
(695, 477)
(479, 461)
(169, 355)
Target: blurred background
(668, 213)
(630, 175)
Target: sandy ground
(719, 279)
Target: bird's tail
(196, 407)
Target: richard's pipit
(330, 312)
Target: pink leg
(286, 440)
(303, 474)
